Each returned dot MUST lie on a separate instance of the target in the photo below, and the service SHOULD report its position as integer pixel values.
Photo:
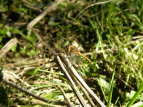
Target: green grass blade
(111, 90)
(135, 96)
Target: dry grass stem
(8, 46)
(39, 17)
(69, 69)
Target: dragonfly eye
(73, 49)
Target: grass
(112, 34)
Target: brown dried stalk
(39, 17)
(69, 70)
(33, 95)
(8, 46)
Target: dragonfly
(74, 50)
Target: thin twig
(71, 82)
(67, 100)
(33, 95)
(45, 43)
(98, 3)
(39, 17)
(82, 82)
(33, 8)
(8, 46)
(86, 94)
(17, 77)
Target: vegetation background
(110, 33)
